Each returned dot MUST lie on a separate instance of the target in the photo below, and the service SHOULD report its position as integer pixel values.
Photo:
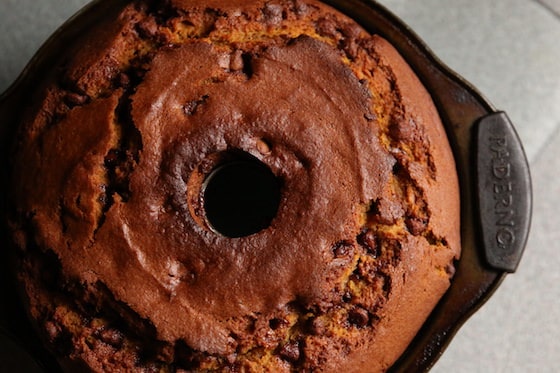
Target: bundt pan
(492, 167)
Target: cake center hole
(241, 197)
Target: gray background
(510, 50)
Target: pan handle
(504, 191)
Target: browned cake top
(113, 161)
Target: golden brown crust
(367, 230)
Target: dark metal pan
(493, 170)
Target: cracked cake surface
(120, 267)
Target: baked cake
(233, 186)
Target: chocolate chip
(191, 107)
(358, 317)
(290, 351)
(301, 8)
(368, 241)
(147, 28)
(75, 99)
(318, 326)
(347, 297)
(326, 27)
(111, 337)
(416, 226)
(342, 249)
(52, 330)
(273, 13)
(350, 47)
(123, 80)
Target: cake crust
(120, 267)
